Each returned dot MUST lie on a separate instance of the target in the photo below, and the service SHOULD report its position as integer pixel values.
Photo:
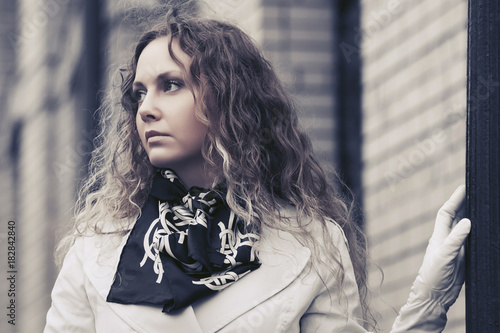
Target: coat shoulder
(301, 229)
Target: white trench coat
(283, 295)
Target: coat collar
(282, 257)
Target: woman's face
(169, 130)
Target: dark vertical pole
(348, 73)
(483, 167)
(93, 64)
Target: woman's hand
(441, 275)
(442, 272)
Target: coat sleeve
(325, 315)
(334, 310)
(339, 311)
(70, 310)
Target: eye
(138, 95)
(172, 85)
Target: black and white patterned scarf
(185, 246)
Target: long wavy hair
(254, 146)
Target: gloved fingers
(443, 267)
(447, 215)
(453, 243)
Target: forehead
(155, 59)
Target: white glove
(441, 275)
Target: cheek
(195, 133)
(202, 136)
(198, 126)
(194, 129)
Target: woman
(258, 243)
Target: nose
(147, 109)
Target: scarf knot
(190, 245)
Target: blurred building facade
(57, 55)
(42, 123)
(7, 70)
(414, 104)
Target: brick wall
(414, 81)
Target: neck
(193, 175)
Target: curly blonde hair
(254, 146)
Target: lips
(152, 134)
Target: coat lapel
(282, 257)
(102, 256)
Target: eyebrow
(168, 75)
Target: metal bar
(349, 91)
(483, 166)
(93, 59)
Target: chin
(175, 162)
(161, 160)
(163, 163)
